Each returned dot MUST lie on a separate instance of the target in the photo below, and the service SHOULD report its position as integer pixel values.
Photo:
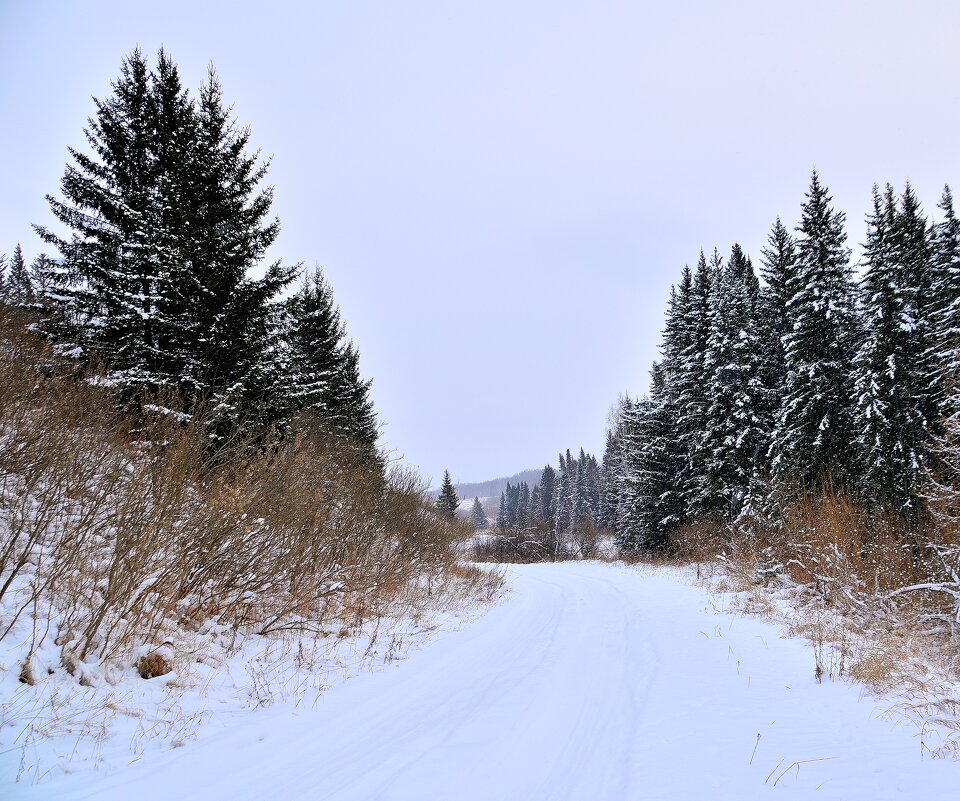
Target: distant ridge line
(494, 486)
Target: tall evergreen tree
(502, 512)
(580, 503)
(778, 260)
(945, 355)
(880, 405)
(563, 492)
(352, 396)
(735, 432)
(895, 409)
(547, 494)
(610, 472)
(918, 280)
(227, 230)
(945, 347)
(166, 222)
(593, 487)
(687, 387)
(813, 440)
(535, 507)
(121, 204)
(522, 506)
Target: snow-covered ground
(587, 681)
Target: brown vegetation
(877, 599)
(115, 528)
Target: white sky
(501, 193)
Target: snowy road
(589, 681)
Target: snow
(587, 681)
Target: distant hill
(493, 487)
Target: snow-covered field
(587, 681)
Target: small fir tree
(477, 514)
(19, 287)
(447, 501)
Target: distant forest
(493, 487)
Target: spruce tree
(547, 494)
(593, 488)
(166, 223)
(477, 514)
(315, 336)
(813, 440)
(657, 465)
(778, 260)
(945, 346)
(918, 280)
(122, 206)
(627, 424)
(351, 394)
(944, 354)
(563, 491)
(227, 231)
(895, 409)
(329, 388)
(535, 506)
(447, 500)
(735, 432)
(522, 507)
(502, 512)
(880, 366)
(779, 264)
(19, 287)
(580, 503)
(610, 472)
(652, 505)
(684, 378)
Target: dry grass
(120, 531)
(873, 596)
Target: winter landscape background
(282, 289)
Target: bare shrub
(530, 543)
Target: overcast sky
(501, 193)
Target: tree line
(812, 382)
(558, 517)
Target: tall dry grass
(878, 599)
